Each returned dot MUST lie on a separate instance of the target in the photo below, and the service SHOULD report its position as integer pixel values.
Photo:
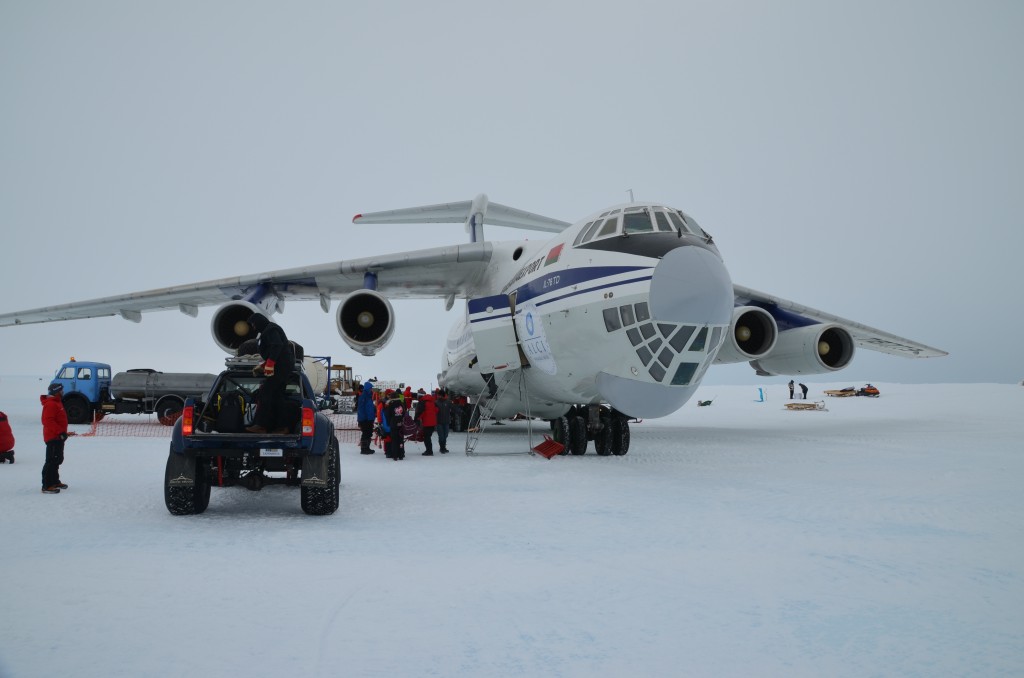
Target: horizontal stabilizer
(458, 212)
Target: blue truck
(210, 446)
(90, 392)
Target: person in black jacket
(278, 366)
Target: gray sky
(863, 158)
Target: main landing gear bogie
(609, 430)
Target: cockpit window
(638, 221)
(588, 232)
(662, 222)
(583, 232)
(611, 225)
(678, 222)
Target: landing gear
(577, 435)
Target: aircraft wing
(863, 335)
(435, 273)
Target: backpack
(230, 413)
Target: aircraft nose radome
(691, 285)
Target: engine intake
(752, 334)
(366, 321)
(230, 324)
(816, 349)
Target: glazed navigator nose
(691, 285)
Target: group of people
(803, 389)
(389, 411)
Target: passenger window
(610, 226)
(637, 222)
(84, 373)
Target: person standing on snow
(55, 432)
(366, 412)
(444, 417)
(426, 414)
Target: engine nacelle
(230, 324)
(366, 321)
(816, 349)
(752, 334)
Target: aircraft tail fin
(474, 213)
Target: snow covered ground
(883, 537)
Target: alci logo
(529, 323)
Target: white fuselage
(629, 319)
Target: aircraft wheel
(620, 436)
(560, 432)
(603, 438)
(577, 435)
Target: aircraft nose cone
(691, 285)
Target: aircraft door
(494, 336)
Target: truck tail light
(186, 420)
(307, 421)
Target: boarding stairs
(486, 404)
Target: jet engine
(752, 334)
(366, 321)
(816, 349)
(230, 325)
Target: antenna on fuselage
(630, 191)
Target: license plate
(271, 453)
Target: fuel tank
(143, 384)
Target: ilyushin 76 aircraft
(618, 316)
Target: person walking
(444, 416)
(55, 432)
(790, 389)
(366, 412)
(6, 440)
(278, 365)
(426, 414)
(803, 387)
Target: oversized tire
(168, 409)
(180, 500)
(577, 435)
(620, 436)
(78, 409)
(323, 501)
(202, 488)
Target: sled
(819, 405)
(841, 393)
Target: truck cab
(85, 383)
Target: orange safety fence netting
(131, 426)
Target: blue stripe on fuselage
(553, 282)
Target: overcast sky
(863, 158)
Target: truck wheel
(323, 501)
(180, 500)
(202, 489)
(78, 410)
(168, 409)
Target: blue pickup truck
(210, 446)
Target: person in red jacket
(6, 440)
(55, 432)
(426, 414)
